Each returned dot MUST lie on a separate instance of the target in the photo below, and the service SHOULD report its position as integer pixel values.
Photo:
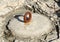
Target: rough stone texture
(35, 29)
(8, 6)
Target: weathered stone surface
(8, 6)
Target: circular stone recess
(38, 26)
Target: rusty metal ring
(25, 17)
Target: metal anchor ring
(26, 20)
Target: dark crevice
(33, 9)
(17, 17)
(58, 2)
(58, 12)
(14, 40)
(28, 8)
(45, 37)
(7, 25)
(49, 6)
(51, 40)
(7, 32)
(57, 30)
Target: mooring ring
(26, 20)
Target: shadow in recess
(51, 40)
(58, 2)
(58, 12)
(17, 17)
